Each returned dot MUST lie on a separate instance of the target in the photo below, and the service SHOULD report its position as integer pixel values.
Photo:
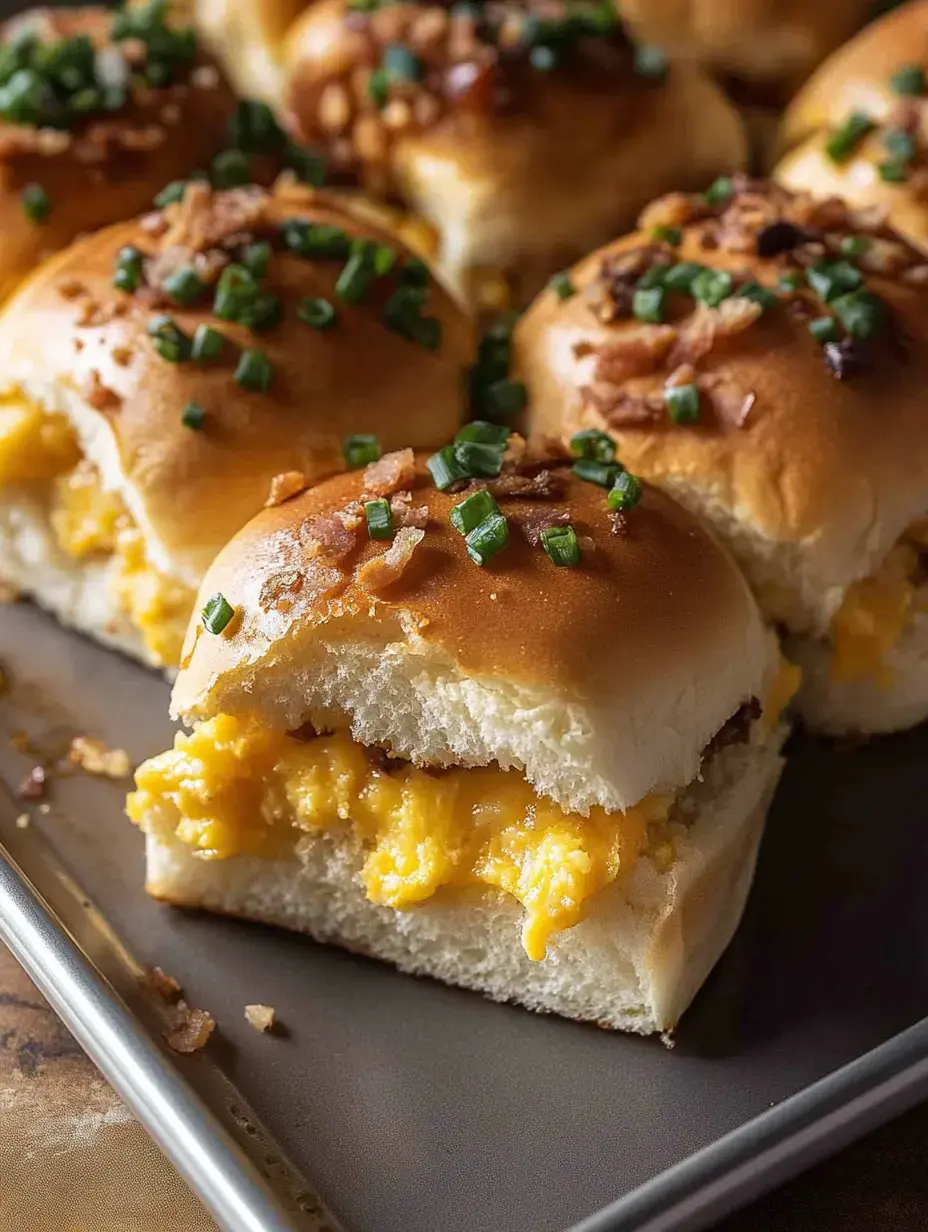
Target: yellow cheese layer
(873, 617)
(240, 789)
(33, 445)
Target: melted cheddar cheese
(33, 445)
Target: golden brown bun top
(653, 591)
(68, 330)
(761, 40)
(246, 36)
(824, 447)
(111, 164)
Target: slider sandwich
(490, 717)
(859, 128)
(164, 378)
(764, 358)
(519, 134)
(99, 110)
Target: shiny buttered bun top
(229, 339)
(246, 37)
(763, 356)
(859, 128)
(762, 41)
(524, 134)
(98, 111)
(486, 604)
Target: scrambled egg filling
(88, 522)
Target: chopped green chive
(854, 246)
(254, 371)
(445, 469)
(378, 87)
(308, 165)
(650, 62)
(893, 172)
(185, 285)
(479, 460)
(824, 329)
(602, 473)
(473, 510)
(254, 128)
(667, 235)
(485, 540)
(484, 433)
(169, 341)
(591, 443)
(402, 315)
(562, 286)
(648, 304)
(712, 286)
(308, 239)
(909, 79)
(626, 492)
(37, 205)
(207, 344)
(860, 313)
(230, 169)
(561, 545)
(899, 143)
(720, 191)
(655, 276)
(170, 193)
(217, 614)
(401, 64)
(506, 397)
(789, 282)
(193, 416)
(319, 313)
(680, 277)
(256, 258)
(379, 519)
(682, 402)
(415, 272)
(128, 273)
(829, 279)
(383, 258)
(239, 298)
(359, 450)
(757, 294)
(844, 140)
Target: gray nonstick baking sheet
(412, 1107)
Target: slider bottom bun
(633, 963)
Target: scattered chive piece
(682, 402)
(170, 193)
(484, 433)
(561, 545)
(789, 282)
(712, 286)
(667, 235)
(909, 79)
(309, 239)
(829, 279)
(415, 272)
(128, 275)
(479, 460)
(757, 294)
(378, 87)
(844, 140)
(445, 468)
(239, 298)
(855, 245)
(591, 443)
(473, 510)
(893, 171)
(193, 416)
(254, 371)
(401, 64)
(169, 341)
(654, 276)
(485, 540)
(650, 62)
(860, 313)
(602, 473)
(185, 285)
(308, 165)
(648, 304)
(379, 519)
(356, 277)
(506, 397)
(899, 143)
(824, 329)
(680, 277)
(562, 286)
(359, 450)
(256, 258)
(37, 204)
(254, 128)
(207, 344)
(626, 492)
(720, 191)
(319, 313)
(230, 169)
(217, 614)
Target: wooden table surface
(73, 1160)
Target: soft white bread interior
(633, 964)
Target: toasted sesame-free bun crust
(634, 963)
(189, 491)
(246, 37)
(857, 78)
(529, 189)
(823, 475)
(602, 682)
(178, 130)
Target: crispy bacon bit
(205, 219)
(157, 981)
(636, 352)
(98, 395)
(285, 486)
(737, 729)
(122, 356)
(619, 408)
(777, 237)
(382, 571)
(190, 1029)
(532, 523)
(33, 785)
(351, 516)
(842, 359)
(95, 757)
(405, 513)
(261, 1017)
(545, 485)
(332, 537)
(685, 374)
(278, 590)
(390, 473)
(732, 406)
(71, 288)
(884, 257)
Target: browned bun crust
(246, 36)
(784, 453)
(517, 168)
(760, 40)
(110, 166)
(857, 78)
(69, 330)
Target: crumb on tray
(95, 757)
(261, 1017)
(190, 1029)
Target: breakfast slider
(522, 134)
(98, 112)
(859, 127)
(162, 379)
(764, 358)
(489, 717)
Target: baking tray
(412, 1107)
